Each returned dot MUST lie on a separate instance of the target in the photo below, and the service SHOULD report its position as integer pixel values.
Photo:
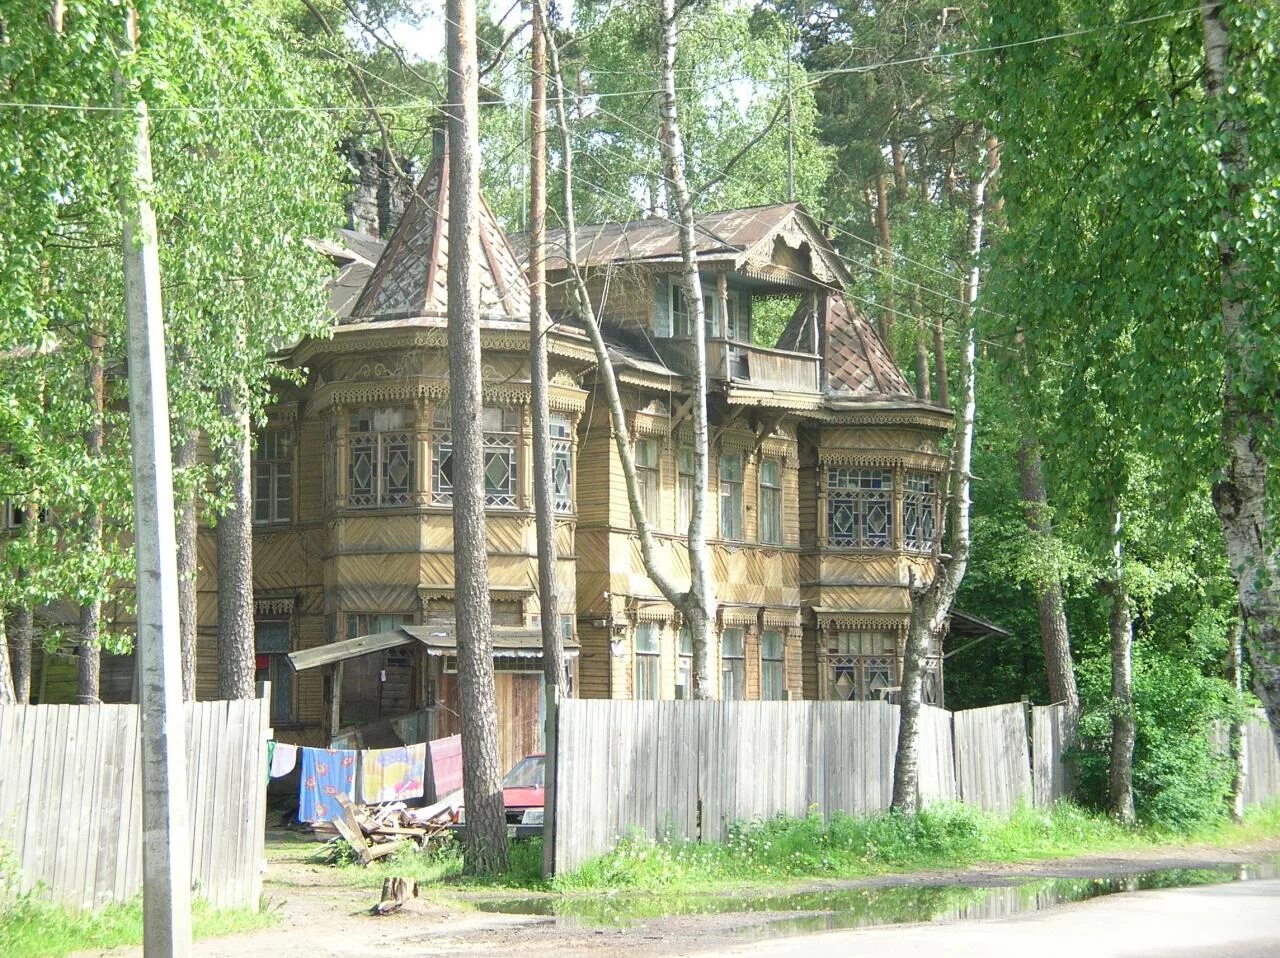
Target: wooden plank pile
(375, 831)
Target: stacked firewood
(375, 831)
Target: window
(646, 455)
(501, 442)
(273, 477)
(772, 684)
(861, 665)
(372, 623)
(271, 645)
(381, 459)
(647, 660)
(858, 507)
(684, 665)
(771, 501)
(732, 665)
(561, 463)
(731, 496)
(684, 487)
(14, 514)
(919, 511)
(681, 324)
(711, 314)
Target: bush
(1180, 780)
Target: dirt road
(320, 915)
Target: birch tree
(931, 602)
(696, 601)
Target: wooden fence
(71, 800)
(1262, 764)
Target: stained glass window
(919, 511)
(859, 508)
(380, 458)
(501, 459)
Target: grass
(33, 928)
(791, 850)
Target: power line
(640, 91)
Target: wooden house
(826, 481)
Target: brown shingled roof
(410, 278)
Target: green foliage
(1180, 779)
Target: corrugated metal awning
(439, 639)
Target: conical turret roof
(855, 361)
(410, 279)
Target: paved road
(1239, 920)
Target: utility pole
(166, 846)
(543, 485)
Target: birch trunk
(89, 656)
(696, 603)
(699, 606)
(1120, 626)
(186, 532)
(485, 843)
(1248, 421)
(1055, 638)
(7, 696)
(1238, 754)
(235, 561)
(24, 621)
(543, 481)
(931, 602)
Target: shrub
(1180, 779)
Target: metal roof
(411, 276)
(439, 639)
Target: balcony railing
(733, 361)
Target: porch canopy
(438, 639)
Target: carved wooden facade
(825, 491)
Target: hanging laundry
(326, 774)
(284, 759)
(392, 774)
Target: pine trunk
(931, 603)
(887, 311)
(89, 654)
(186, 532)
(1120, 626)
(1055, 638)
(485, 848)
(543, 481)
(923, 390)
(1248, 420)
(235, 561)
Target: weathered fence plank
(1049, 736)
(993, 767)
(71, 807)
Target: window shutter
(661, 308)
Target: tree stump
(395, 892)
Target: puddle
(802, 912)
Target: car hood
(523, 797)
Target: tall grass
(33, 928)
(787, 849)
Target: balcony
(731, 361)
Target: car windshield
(528, 774)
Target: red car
(522, 791)
(523, 796)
